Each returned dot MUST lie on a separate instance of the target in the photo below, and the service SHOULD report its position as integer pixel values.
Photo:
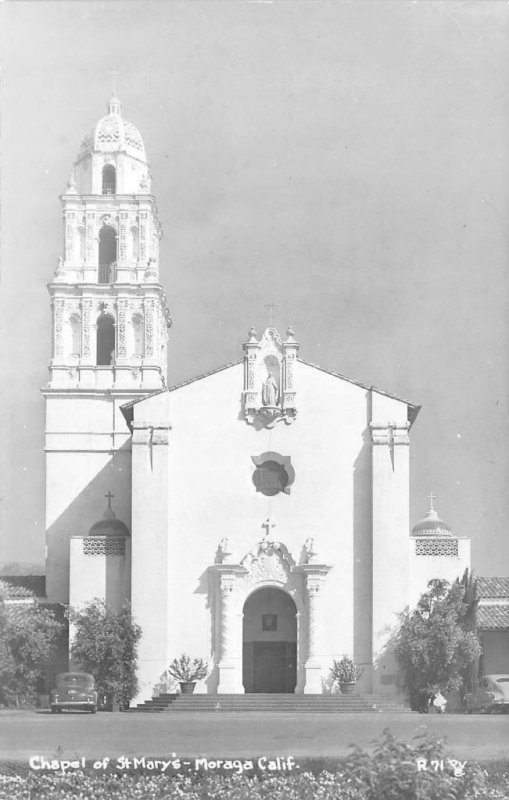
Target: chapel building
(256, 516)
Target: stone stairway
(273, 703)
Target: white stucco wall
(99, 576)
(423, 569)
(87, 455)
(209, 494)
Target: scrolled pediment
(268, 561)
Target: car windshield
(75, 679)
(502, 680)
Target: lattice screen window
(103, 547)
(436, 547)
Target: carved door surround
(268, 564)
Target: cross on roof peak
(272, 307)
(109, 497)
(431, 497)
(114, 73)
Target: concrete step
(271, 703)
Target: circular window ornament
(273, 474)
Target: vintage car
(74, 690)
(490, 695)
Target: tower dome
(431, 524)
(113, 134)
(109, 525)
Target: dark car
(490, 695)
(74, 690)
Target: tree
(104, 643)
(436, 645)
(28, 635)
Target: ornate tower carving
(110, 329)
(110, 316)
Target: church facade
(257, 516)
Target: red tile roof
(31, 584)
(493, 617)
(14, 592)
(493, 587)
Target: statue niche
(270, 387)
(269, 392)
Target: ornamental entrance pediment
(268, 563)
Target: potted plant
(345, 672)
(187, 671)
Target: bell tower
(110, 323)
(110, 316)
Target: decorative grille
(103, 547)
(436, 547)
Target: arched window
(75, 324)
(138, 335)
(105, 340)
(107, 253)
(109, 179)
(134, 243)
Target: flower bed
(393, 770)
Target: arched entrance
(269, 656)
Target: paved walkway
(69, 735)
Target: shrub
(28, 635)
(105, 644)
(345, 671)
(187, 670)
(435, 645)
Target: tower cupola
(112, 141)
(114, 106)
(431, 524)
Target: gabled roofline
(127, 408)
(413, 408)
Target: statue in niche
(309, 550)
(270, 391)
(225, 551)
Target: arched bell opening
(269, 636)
(107, 253)
(109, 179)
(105, 340)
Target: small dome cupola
(114, 106)
(431, 524)
(109, 525)
(114, 134)
(112, 158)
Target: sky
(347, 161)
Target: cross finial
(431, 497)
(114, 75)
(109, 497)
(268, 525)
(272, 307)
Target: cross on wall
(268, 525)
